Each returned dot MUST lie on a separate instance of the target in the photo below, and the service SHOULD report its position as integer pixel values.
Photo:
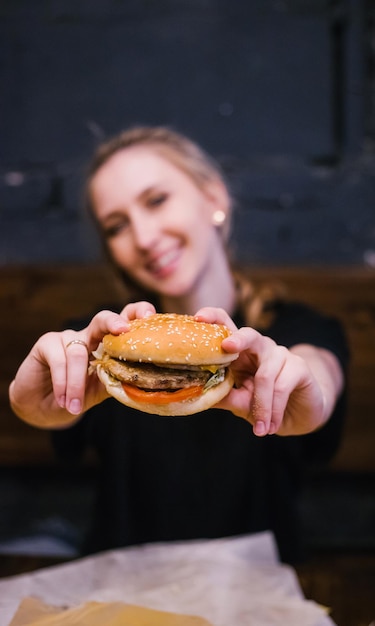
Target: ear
(218, 199)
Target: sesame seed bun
(170, 338)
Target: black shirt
(205, 475)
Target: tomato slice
(162, 397)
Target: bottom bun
(188, 407)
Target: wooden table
(343, 582)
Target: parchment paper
(230, 582)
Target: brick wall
(281, 92)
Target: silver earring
(219, 217)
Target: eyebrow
(149, 190)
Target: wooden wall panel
(34, 300)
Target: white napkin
(227, 581)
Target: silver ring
(79, 341)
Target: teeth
(164, 260)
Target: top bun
(170, 338)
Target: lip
(164, 264)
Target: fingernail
(61, 402)
(259, 428)
(119, 324)
(75, 406)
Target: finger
(288, 380)
(247, 339)
(214, 315)
(102, 323)
(237, 402)
(77, 361)
(78, 347)
(265, 361)
(269, 392)
(51, 351)
(135, 310)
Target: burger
(166, 364)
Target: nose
(144, 231)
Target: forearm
(327, 372)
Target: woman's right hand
(52, 387)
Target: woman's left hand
(278, 390)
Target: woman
(163, 210)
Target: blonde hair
(185, 153)
(256, 303)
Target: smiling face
(157, 222)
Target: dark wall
(280, 91)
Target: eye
(111, 230)
(157, 200)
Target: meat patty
(150, 376)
